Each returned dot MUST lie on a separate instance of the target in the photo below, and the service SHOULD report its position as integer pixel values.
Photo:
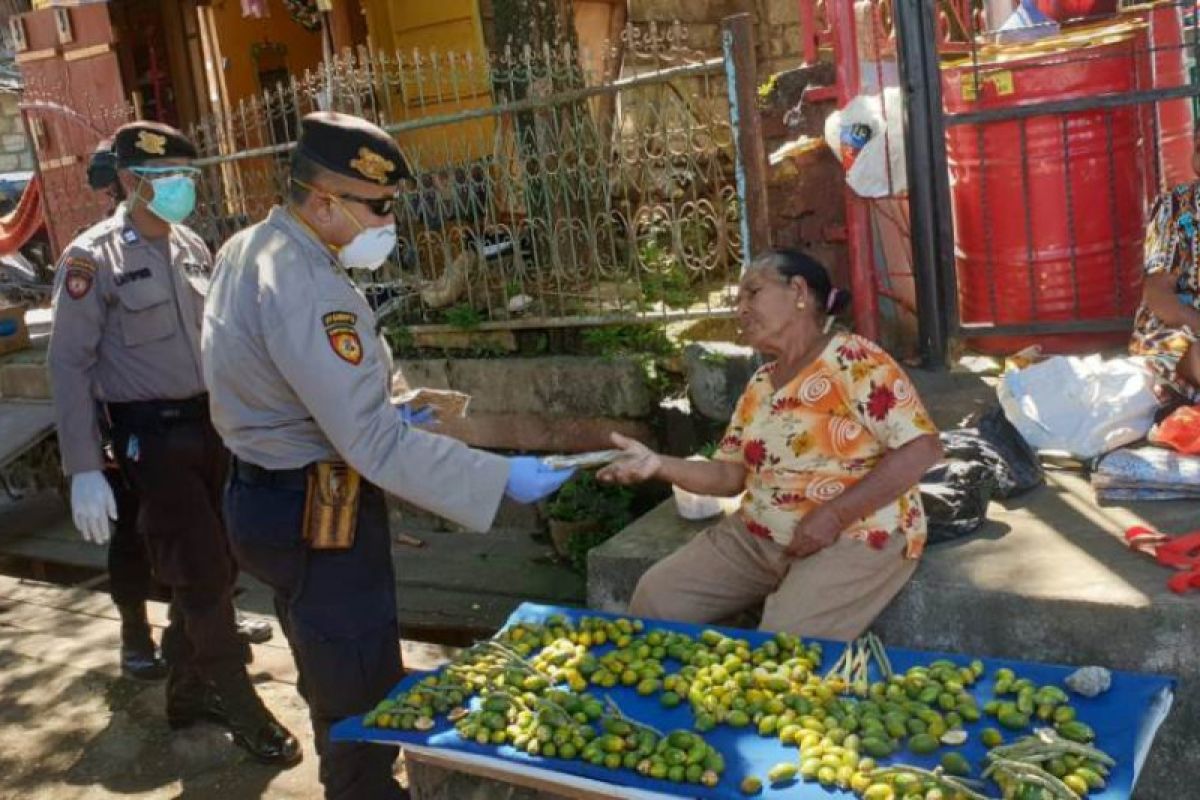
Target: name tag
(122, 278)
(198, 276)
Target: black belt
(159, 411)
(254, 475)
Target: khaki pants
(834, 594)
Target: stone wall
(14, 149)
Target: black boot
(139, 657)
(254, 728)
(191, 699)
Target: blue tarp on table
(1126, 719)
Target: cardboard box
(13, 333)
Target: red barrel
(1167, 68)
(1063, 10)
(1048, 225)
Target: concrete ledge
(24, 382)
(23, 374)
(580, 386)
(615, 566)
(1048, 579)
(542, 432)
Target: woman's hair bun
(838, 301)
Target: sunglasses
(380, 206)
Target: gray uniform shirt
(296, 375)
(126, 327)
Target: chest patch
(343, 336)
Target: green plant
(399, 338)
(463, 316)
(708, 450)
(618, 340)
(584, 499)
(671, 288)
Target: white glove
(92, 506)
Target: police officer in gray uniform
(129, 578)
(299, 384)
(125, 357)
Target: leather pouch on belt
(331, 506)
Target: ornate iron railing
(552, 188)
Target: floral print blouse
(807, 442)
(1171, 249)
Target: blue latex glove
(529, 480)
(422, 416)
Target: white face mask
(370, 248)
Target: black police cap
(102, 166)
(139, 143)
(353, 147)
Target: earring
(801, 305)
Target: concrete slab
(1047, 579)
(22, 425)
(458, 587)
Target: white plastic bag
(694, 506)
(1081, 406)
(878, 169)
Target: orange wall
(238, 34)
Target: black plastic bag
(987, 461)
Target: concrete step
(1047, 579)
(454, 589)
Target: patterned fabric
(1147, 473)
(815, 437)
(1172, 248)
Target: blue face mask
(174, 194)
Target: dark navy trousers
(338, 610)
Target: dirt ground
(71, 727)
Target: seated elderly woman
(1168, 320)
(828, 442)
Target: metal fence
(557, 187)
(1043, 152)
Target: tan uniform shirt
(126, 327)
(296, 374)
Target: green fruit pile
(536, 686)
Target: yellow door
(433, 39)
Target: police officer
(129, 578)
(299, 386)
(125, 359)
(130, 582)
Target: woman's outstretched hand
(638, 463)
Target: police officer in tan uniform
(125, 357)
(300, 392)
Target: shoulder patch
(81, 274)
(343, 337)
(129, 236)
(79, 262)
